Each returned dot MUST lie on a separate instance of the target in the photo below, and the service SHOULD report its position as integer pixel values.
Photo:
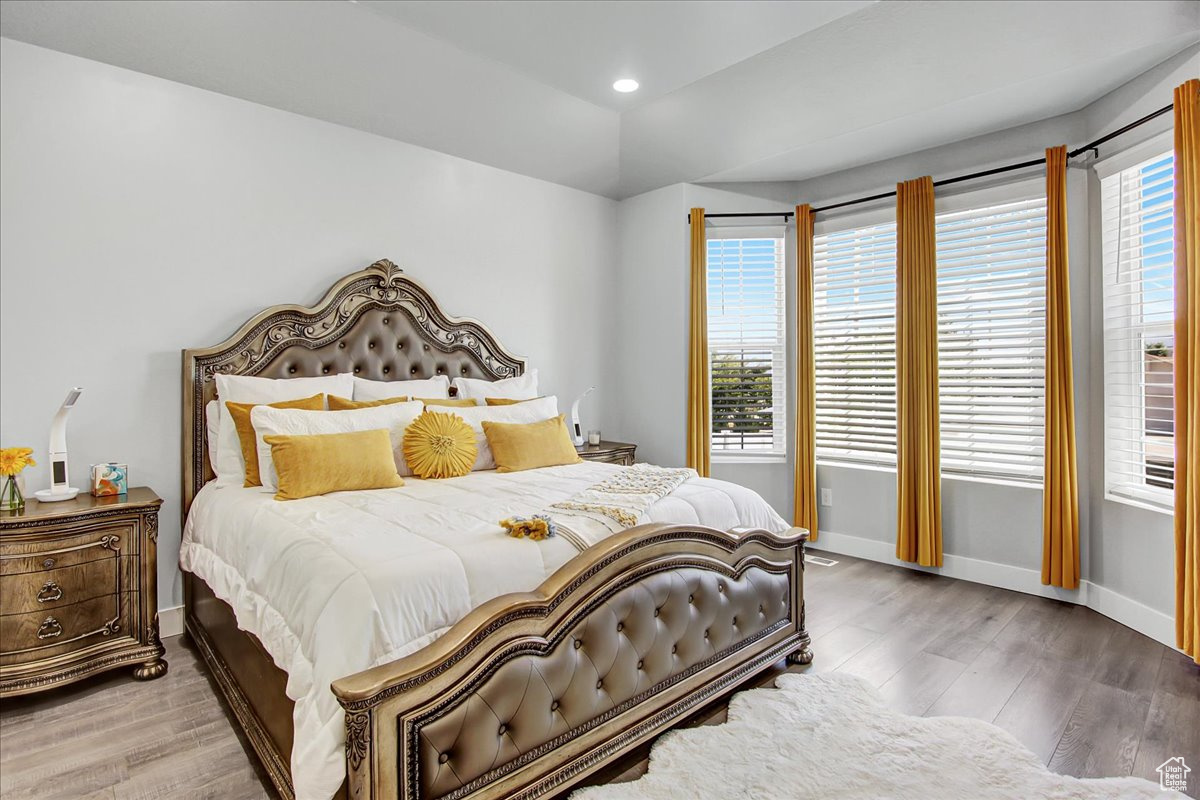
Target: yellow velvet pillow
(342, 404)
(245, 430)
(333, 462)
(507, 401)
(539, 444)
(457, 402)
(345, 404)
(439, 446)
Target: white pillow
(524, 387)
(520, 413)
(296, 422)
(212, 428)
(438, 387)
(230, 466)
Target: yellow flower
(15, 459)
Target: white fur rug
(833, 736)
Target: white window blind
(747, 344)
(854, 342)
(991, 299)
(1138, 244)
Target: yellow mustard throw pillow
(333, 462)
(439, 446)
(342, 404)
(507, 401)
(456, 402)
(245, 431)
(539, 444)
(345, 404)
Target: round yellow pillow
(439, 446)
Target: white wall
(142, 216)
(645, 387)
(992, 532)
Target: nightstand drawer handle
(50, 592)
(48, 563)
(49, 629)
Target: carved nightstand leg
(150, 670)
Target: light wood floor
(1088, 696)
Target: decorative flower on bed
(537, 527)
(439, 446)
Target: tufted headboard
(379, 324)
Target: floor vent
(819, 561)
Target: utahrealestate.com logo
(1173, 774)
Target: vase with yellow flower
(12, 461)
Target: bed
(394, 644)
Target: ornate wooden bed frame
(531, 692)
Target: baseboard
(1145, 620)
(170, 621)
(1141, 618)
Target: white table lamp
(59, 471)
(576, 428)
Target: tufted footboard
(531, 692)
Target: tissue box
(110, 479)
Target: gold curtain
(805, 495)
(1060, 487)
(1187, 368)
(699, 416)
(918, 442)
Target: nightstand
(609, 452)
(79, 591)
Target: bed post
(804, 654)
(360, 754)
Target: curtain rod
(1011, 167)
(972, 176)
(785, 214)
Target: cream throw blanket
(614, 504)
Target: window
(854, 342)
(747, 343)
(1138, 245)
(991, 336)
(991, 296)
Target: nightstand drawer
(21, 633)
(30, 592)
(102, 542)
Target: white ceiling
(335, 61)
(896, 78)
(747, 91)
(582, 47)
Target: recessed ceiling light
(626, 85)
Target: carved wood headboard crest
(378, 323)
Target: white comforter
(337, 584)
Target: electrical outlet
(827, 497)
